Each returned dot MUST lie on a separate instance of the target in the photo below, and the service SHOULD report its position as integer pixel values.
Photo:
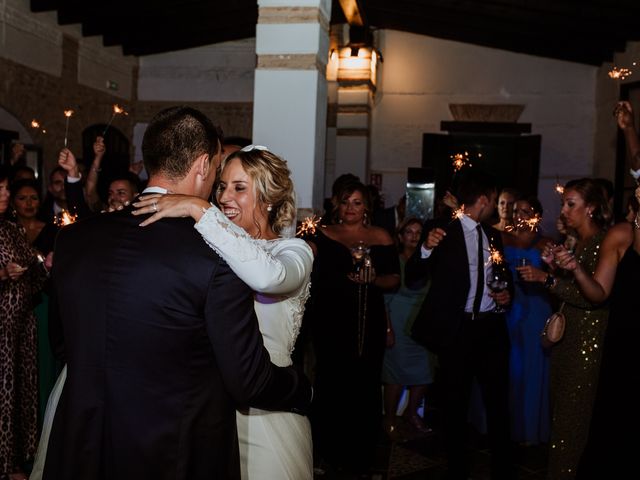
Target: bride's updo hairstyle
(272, 181)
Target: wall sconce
(354, 64)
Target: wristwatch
(550, 281)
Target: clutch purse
(553, 328)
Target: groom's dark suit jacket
(162, 344)
(441, 314)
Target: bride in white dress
(257, 208)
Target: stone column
(290, 95)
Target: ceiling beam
(352, 12)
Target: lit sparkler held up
(68, 114)
(619, 73)
(65, 218)
(495, 257)
(308, 226)
(458, 213)
(35, 124)
(117, 110)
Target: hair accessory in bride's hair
(251, 147)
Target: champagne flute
(497, 282)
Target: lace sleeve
(274, 269)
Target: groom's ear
(203, 165)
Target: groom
(159, 335)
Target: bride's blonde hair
(272, 183)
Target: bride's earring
(269, 207)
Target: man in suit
(391, 218)
(162, 344)
(457, 322)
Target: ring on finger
(154, 205)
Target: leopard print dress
(18, 351)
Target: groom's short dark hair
(473, 184)
(175, 137)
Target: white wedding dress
(273, 445)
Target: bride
(257, 207)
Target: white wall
(421, 76)
(35, 41)
(217, 73)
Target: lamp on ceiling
(357, 61)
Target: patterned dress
(18, 346)
(575, 367)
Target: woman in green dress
(575, 360)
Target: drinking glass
(497, 282)
(359, 252)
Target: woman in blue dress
(406, 363)
(529, 361)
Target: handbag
(553, 328)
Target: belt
(478, 316)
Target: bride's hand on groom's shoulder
(169, 205)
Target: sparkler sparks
(117, 110)
(495, 257)
(65, 218)
(619, 73)
(559, 189)
(460, 160)
(68, 114)
(308, 226)
(35, 124)
(458, 213)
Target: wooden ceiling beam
(352, 12)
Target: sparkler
(35, 124)
(68, 114)
(460, 160)
(495, 257)
(308, 226)
(458, 213)
(117, 110)
(619, 73)
(65, 218)
(532, 223)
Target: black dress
(348, 335)
(612, 446)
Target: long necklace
(362, 315)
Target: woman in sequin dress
(575, 360)
(612, 445)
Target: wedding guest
(252, 232)
(624, 117)
(610, 451)
(457, 321)
(41, 236)
(355, 263)
(575, 360)
(55, 200)
(20, 279)
(528, 361)
(406, 363)
(506, 199)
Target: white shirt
(471, 242)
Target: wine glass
(497, 282)
(358, 253)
